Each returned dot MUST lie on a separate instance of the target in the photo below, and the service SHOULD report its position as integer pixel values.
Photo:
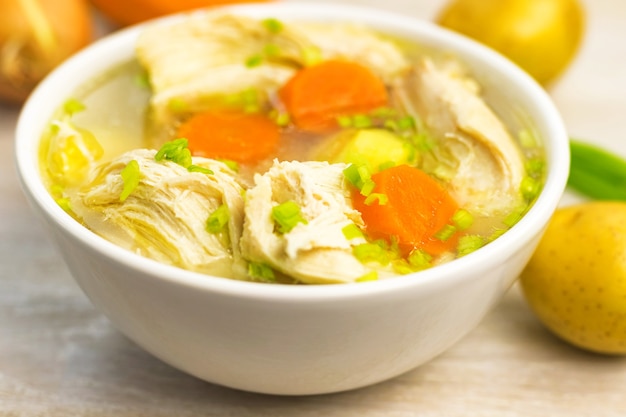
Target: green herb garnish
(73, 106)
(261, 272)
(445, 232)
(254, 61)
(176, 151)
(142, 81)
(462, 219)
(218, 219)
(272, 25)
(271, 50)
(371, 252)
(379, 198)
(352, 231)
(287, 215)
(197, 168)
(130, 176)
(419, 259)
(469, 243)
(530, 188)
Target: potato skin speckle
(575, 281)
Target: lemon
(541, 36)
(576, 280)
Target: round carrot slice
(414, 210)
(317, 95)
(229, 134)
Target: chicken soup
(294, 153)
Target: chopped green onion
(254, 61)
(419, 259)
(130, 176)
(469, 243)
(175, 151)
(496, 234)
(272, 25)
(261, 272)
(401, 266)
(364, 172)
(218, 219)
(535, 167)
(351, 173)
(370, 276)
(352, 231)
(406, 122)
(73, 106)
(57, 189)
(370, 252)
(287, 215)
(514, 216)
(271, 50)
(197, 168)
(143, 81)
(64, 203)
(391, 125)
(360, 177)
(462, 219)
(230, 164)
(361, 121)
(382, 199)
(530, 188)
(367, 187)
(446, 232)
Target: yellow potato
(541, 36)
(576, 280)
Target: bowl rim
(39, 108)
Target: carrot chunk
(317, 95)
(417, 210)
(228, 134)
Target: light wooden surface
(60, 357)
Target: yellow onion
(36, 36)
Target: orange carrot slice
(229, 134)
(317, 95)
(416, 208)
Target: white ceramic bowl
(295, 339)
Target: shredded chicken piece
(165, 216)
(317, 252)
(489, 164)
(357, 43)
(212, 63)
